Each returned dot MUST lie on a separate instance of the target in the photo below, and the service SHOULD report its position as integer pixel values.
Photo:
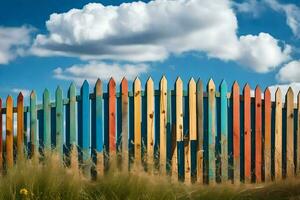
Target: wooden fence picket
(212, 131)
(9, 136)
(247, 134)
(236, 132)
(1, 137)
(224, 132)
(112, 117)
(290, 167)
(298, 135)
(84, 124)
(20, 125)
(179, 124)
(137, 101)
(46, 118)
(258, 135)
(278, 135)
(124, 139)
(33, 125)
(163, 125)
(150, 124)
(267, 135)
(200, 130)
(59, 121)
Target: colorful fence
(195, 136)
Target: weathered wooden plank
(72, 114)
(112, 117)
(236, 132)
(46, 120)
(258, 135)
(1, 138)
(267, 139)
(137, 121)
(85, 121)
(224, 132)
(200, 136)
(20, 126)
(290, 166)
(212, 131)
(278, 135)
(247, 134)
(9, 139)
(59, 119)
(192, 125)
(150, 124)
(163, 125)
(298, 135)
(98, 128)
(33, 125)
(124, 140)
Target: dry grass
(50, 180)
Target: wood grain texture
(163, 125)
(200, 128)
(298, 135)
(247, 134)
(1, 137)
(236, 132)
(59, 120)
(224, 132)
(150, 124)
(278, 135)
(33, 125)
(112, 116)
(258, 135)
(290, 166)
(46, 120)
(124, 140)
(72, 114)
(20, 126)
(9, 137)
(137, 121)
(267, 134)
(212, 126)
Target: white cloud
(251, 6)
(140, 32)
(262, 53)
(290, 72)
(94, 70)
(13, 40)
(292, 13)
(25, 92)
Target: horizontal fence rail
(218, 136)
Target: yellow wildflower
(24, 192)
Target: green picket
(59, 120)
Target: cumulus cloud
(13, 40)
(140, 32)
(290, 72)
(94, 70)
(251, 6)
(292, 13)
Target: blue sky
(255, 42)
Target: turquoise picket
(59, 118)
(46, 120)
(224, 131)
(72, 115)
(211, 132)
(85, 121)
(33, 125)
(99, 116)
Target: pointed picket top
(163, 80)
(85, 84)
(223, 84)
(149, 82)
(178, 82)
(267, 92)
(32, 94)
(298, 96)
(58, 91)
(111, 82)
(124, 81)
(290, 92)
(98, 87)
(278, 94)
(247, 88)
(192, 81)
(9, 99)
(199, 83)
(46, 93)
(20, 97)
(137, 83)
(211, 83)
(150, 79)
(257, 90)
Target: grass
(31, 179)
